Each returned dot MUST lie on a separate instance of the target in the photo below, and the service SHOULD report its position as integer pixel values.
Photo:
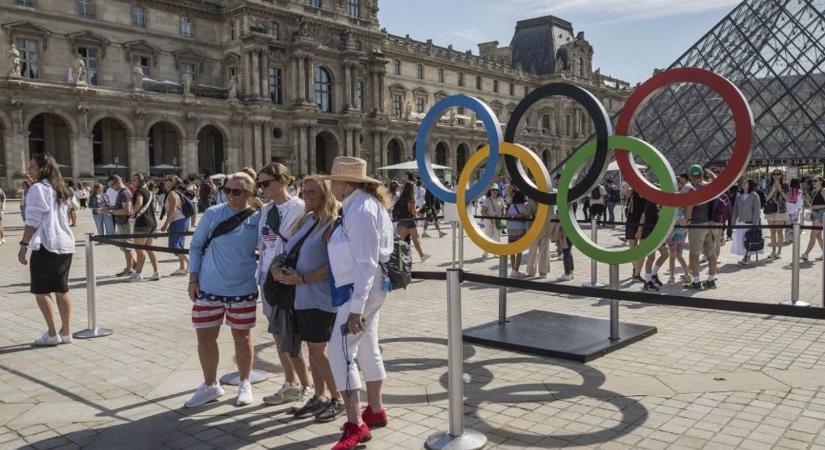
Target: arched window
(323, 92)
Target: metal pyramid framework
(774, 51)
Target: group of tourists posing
(317, 261)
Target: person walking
(83, 195)
(176, 221)
(111, 199)
(776, 211)
(539, 254)
(746, 211)
(795, 206)
(817, 215)
(121, 210)
(432, 207)
(614, 197)
(493, 206)
(701, 237)
(145, 223)
(360, 242)
(649, 220)
(598, 202)
(2, 217)
(275, 229)
(314, 314)
(222, 285)
(48, 236)
(404, 214)
(563, 244)
(635, 211)
(517, 212)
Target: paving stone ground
(706, 380)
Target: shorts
(314, 325)
(676, 246)
(177, 241)
(49, 271)
(630, 230)
(702, 239)
(514, 235)
(407, 223)
(2, 215)
(209, 311)
(124, 228)
(778, 217)
(817, 215)
(145, 230)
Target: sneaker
(124, 273)
(312, 407)
(205, 394)
(47, 340)
(516, 274)
(566, 277)
(425, 235)
(353, 435)
(638, 278)
(179, 272)
(650, 286)
(710, 284)
(3, 241)
(745, 262)
(425, 257)
(66, 338)
(135, 277)
(287, 394)
(155, 277)
(440, 234)
(485, 255)
(332, 410)
(656, 280)
(804, 257)
(694, 286)
(244, 394)
(373, 419)
(542, 275)
(307, 392)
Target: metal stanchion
(457, 437)
(614, 304)
(454, 225)
(797, 237)
(502, 291)
(91, 302)
(594, 265)
(461, 247)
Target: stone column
(264, 62)
(267, 142)
(348, 102)
(376, 94)
(311, 156)
(381, 94)
(256, 74)
(76, 145)
(301, 79)
(17, 147)
(303, 146)
(310, 85)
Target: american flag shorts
(209, 310)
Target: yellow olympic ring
(539, 172)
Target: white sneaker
(287, 394)
(566, 277)
(244, 394)
(3, 241)
(46, 340)
(135, 277)
(66, 338)
(425, 257)
(155, 277)
(425, 235)
(204, 395)
(179, 272)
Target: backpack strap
(227, 226)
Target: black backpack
(399, 268)
(187, 206)
(613, 195)
(754, 242)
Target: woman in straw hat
(359, 242)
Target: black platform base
(563, 336)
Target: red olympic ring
(742, 116)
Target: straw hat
(350, 170)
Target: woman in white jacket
(360, 241)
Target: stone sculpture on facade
(79, 70)
(15, 62)
(187, 80)
(137, 77)
(233, 88)
(407, 111)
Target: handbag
(754, 242)
(339, 295)
(276, 293)
(501, 224)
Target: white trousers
(345, 351)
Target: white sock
(649, 277)
(697, 279)
(711, 277)
(655, 270)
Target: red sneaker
(353, 435)
(374, 420)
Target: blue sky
(630, 37)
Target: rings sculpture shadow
(633, 413)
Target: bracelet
(24, 244)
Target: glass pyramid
(774, 51)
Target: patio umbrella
(411, 166)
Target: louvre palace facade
(198, 86)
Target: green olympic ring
(667, 215)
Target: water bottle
(386, 286)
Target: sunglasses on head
(264, 184)
(234, 192)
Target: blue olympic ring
(494, 138)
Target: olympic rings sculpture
(598, 148)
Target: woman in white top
(51, 241)
(278, 218)
(360, 242)
(492, 206)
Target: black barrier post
(456, 437)
(797, 237)
(502, 291)
(93, 330)
(614, 304)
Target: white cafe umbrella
(165, 167)
(218, 176)
(411, 165)
(111, 166)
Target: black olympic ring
(601, 122)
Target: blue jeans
(99, 223)
(567, 258)
(108, 224)
(611, 213)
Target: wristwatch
(24, 244)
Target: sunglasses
(777, 174)
(234, 192)
(264, 184)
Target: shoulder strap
(227, 226)
(297, 248)
(146, 206)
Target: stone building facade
(196, 86)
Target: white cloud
(617, 10)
